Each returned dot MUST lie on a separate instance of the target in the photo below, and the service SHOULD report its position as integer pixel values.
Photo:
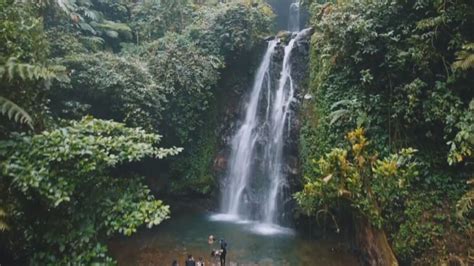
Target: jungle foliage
(88, 89)
(67, 173)
(402, 71)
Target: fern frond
(13, 69)
(342, 102)
(113, 29)
(15, 112)
(86, 27)
(464, 61)
(112, 34)
(335, 115)
(431, 23)
(465, 57)
(468, 46)
(67, 5)
(466, 203)
(3, 224)
(338, 114)
(92, 40)
(93, 14)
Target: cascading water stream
(243, 143)
(294, 16)
(273, 155)
(274, 150)
(256, 178)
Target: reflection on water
(187, 233)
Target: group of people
(216, 254)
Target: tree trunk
(373, 244)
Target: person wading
(200, 262)
(223, 251)
(190, 261)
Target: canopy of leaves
(111, 87)
(231, 29)
(188, 75)
(153, 18)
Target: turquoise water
(248, 244)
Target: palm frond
(15, 112)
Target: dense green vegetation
(91, 90)
(391, 130)
(66, 196)
(88, 89)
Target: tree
(109, 86)
(65, 195)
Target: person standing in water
(223, 252)
(190, 261)
(200, 262)
(211, 239)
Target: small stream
(187, 233)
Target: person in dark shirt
(190, 261)
(175, 263)
(223, 252)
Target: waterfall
(294, 16)
(255, 177)
(243, 143)
(256, 181)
